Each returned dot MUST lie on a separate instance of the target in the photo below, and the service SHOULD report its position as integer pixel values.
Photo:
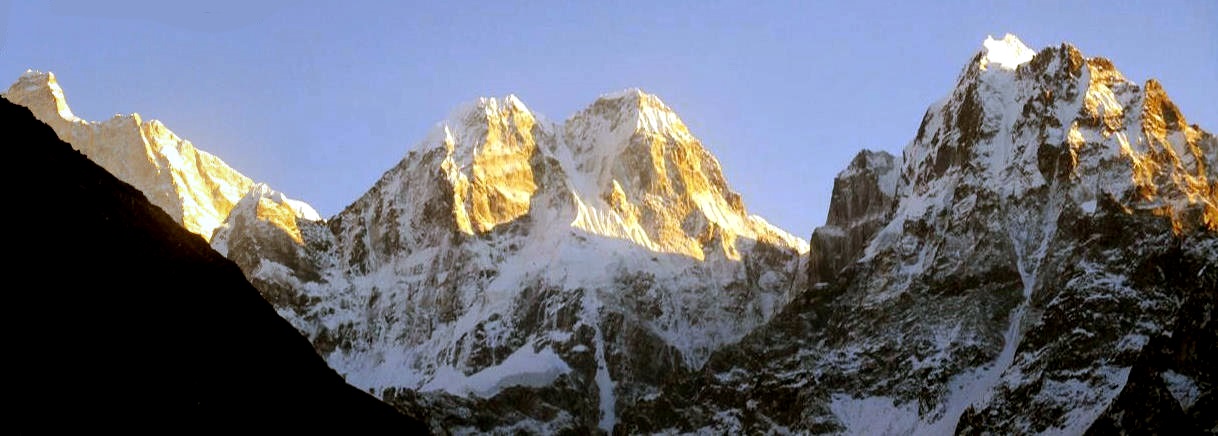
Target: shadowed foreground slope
(117, 317)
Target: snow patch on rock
(1183, 388)
(525, 367)
(874, 415)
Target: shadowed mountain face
(1041, 259)
(124, 320)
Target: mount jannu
(521, 273)
(1042, 258)
(551, 274)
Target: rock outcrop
(863, 202)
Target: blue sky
(318, 101)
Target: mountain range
(1037, 260)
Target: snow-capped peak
(618, 159)
(298, 208)
(43, 87)
(627, 153)
(266, 205)
(649, 112)
(194, 187)
(491, 106)
(1065, 117)
(1008, 52)
(477, 111)
(625, 93)
(465, 129)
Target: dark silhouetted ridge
(118, 318)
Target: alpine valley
(1041, 258)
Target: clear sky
(318, 101)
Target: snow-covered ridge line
(593, 148)
(174, 181)
(196, 188)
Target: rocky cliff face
(1049, 251)
(862, 203)
(527, 274)
(278, 242)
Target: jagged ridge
(194, 187)
(1006, 291)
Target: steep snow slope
(581, 262)
(1047, 243)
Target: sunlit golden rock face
(279, 215)
(612, 232)
(1165, 158)
(658, 186)
(195, 188)
(491, 172)
(1100, 103)
(1172, 142)
(266, 231)
(1076, 120)
(626, 167)
(1170, 170)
